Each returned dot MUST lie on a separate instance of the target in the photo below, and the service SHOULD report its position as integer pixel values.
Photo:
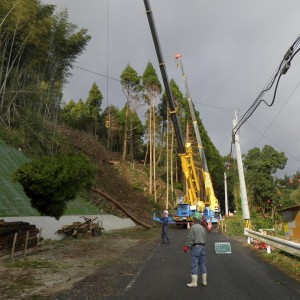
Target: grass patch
(286, 263)
(139, 233)
(23, 263)
(18, 285)
(234, 225)
(103, 262)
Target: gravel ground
(82, 269)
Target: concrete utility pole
(243, 191)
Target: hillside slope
(125, 182)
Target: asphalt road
(239, 275)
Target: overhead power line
(108, 77)
(285, 103)
(281, 70)
(213, 106)
(272, 142)
(102, 75)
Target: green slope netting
(13, 201)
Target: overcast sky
(230, 49)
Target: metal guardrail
(284, 245)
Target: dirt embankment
(127, 182)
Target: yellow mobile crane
(191, 201)
(212, 207)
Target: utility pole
(243, 191)
(226, 197)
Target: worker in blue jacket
(196, 243)
(164, 231)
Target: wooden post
(38, 240)
(14, 245)
(91, 228)
(26, 242)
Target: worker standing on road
(164, 230)
(196, 242)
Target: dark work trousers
(198, 260)
(164, 234)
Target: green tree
(289, 189)
(93, 104)
(176, 172)
(130, 81)
(260, 165)
(111, 128)
(135, 135)
(294, 198)
(76, 115)
(50, 182)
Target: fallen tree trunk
(121, 208)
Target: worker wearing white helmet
(164, 231)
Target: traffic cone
(188, 225)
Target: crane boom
(192, 199)
(192, 111)
(164, 75)
(183, 149)
(211, 199)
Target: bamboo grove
(38, 48)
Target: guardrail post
(268, 247)
(248, 240)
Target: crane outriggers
(191, 201)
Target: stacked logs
(88, 228)
(18, 235)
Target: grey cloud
(230, 49)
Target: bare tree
(153, 90)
